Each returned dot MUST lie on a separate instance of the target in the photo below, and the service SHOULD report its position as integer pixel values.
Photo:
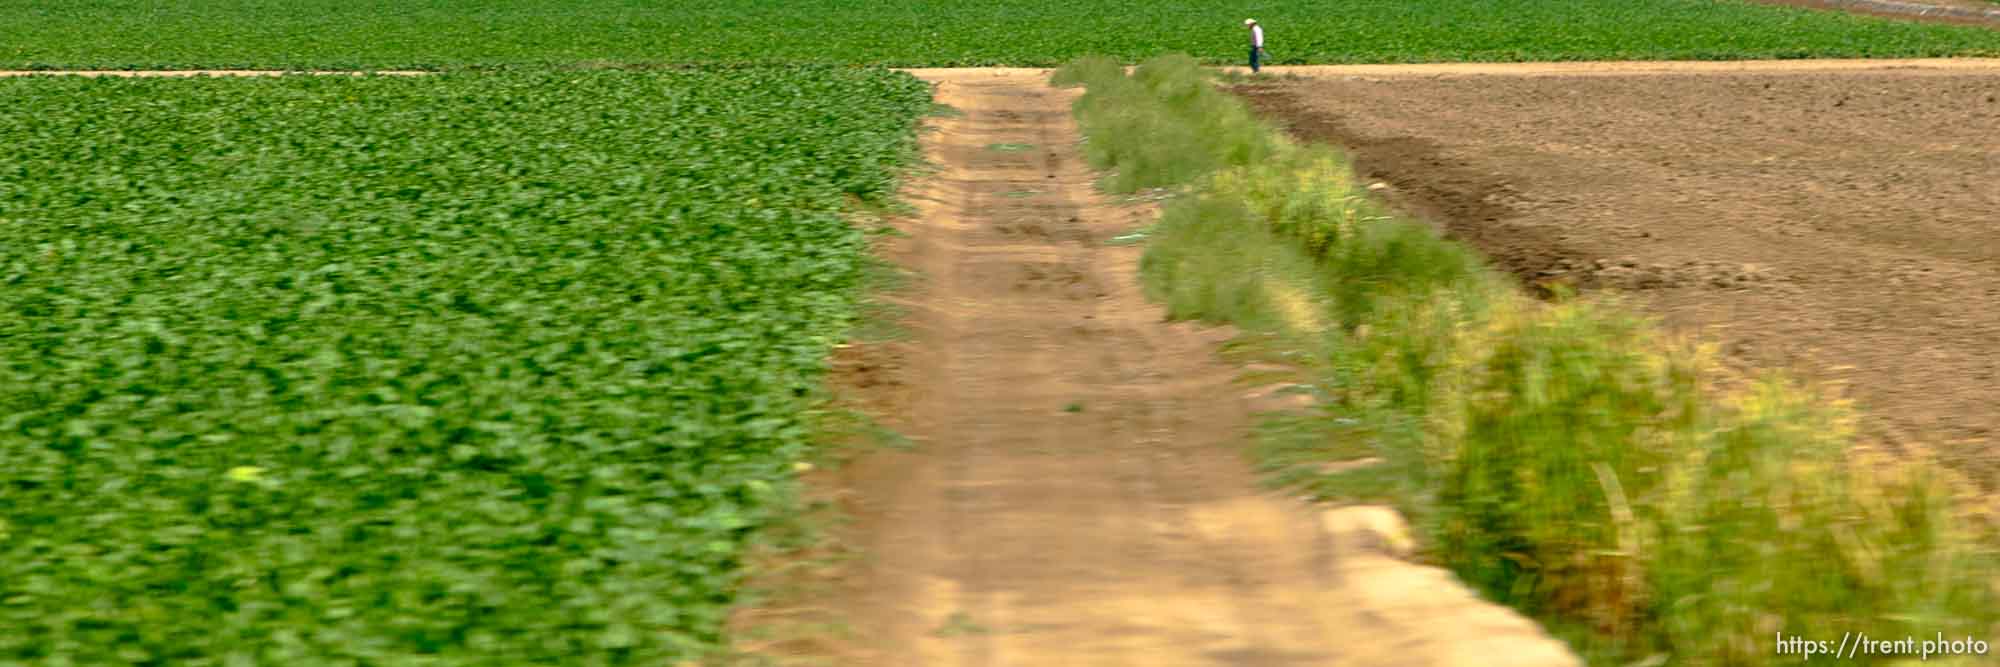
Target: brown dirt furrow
(1078, 495)
(1911, 67)
(1966, 12)
(1843, 224)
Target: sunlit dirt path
(1078, 496)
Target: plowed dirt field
(1842, 224)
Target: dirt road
(1843, 223)
(1078, 495)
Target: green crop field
(507, 365)
(457, 33)
(466, 369)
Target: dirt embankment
(1843, 223)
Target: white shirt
(1257, 36)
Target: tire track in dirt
(1078, 496)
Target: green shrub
(1216, 268)
(1771, 525)
(1163, 125)
(1567, 418)
(1310, 196)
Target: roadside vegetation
(466, 369)
(1565, 457)
(391, 34)
(517, 363)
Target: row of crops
(465, 369)
(453, 33)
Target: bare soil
(1955, 11)
(1841, 223)
(1982, 5)
(1078, 494)
(1630, 68)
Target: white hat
(1249, 21)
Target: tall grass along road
(1564, 457)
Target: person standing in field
(1256, 44)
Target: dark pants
(1254, 53)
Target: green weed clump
(1565, 458)
(468, 369)
(1187, 133)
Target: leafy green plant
(1155, 144)
(388, 34)
(465, 369)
